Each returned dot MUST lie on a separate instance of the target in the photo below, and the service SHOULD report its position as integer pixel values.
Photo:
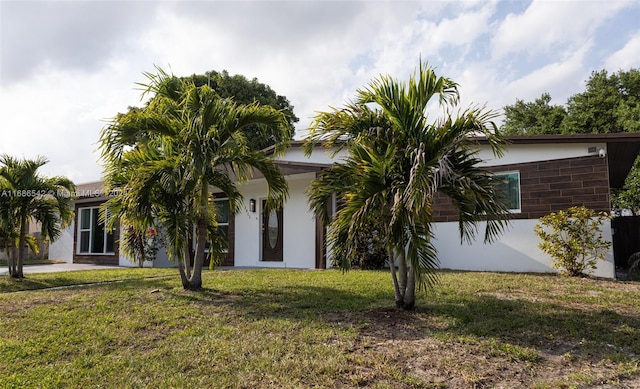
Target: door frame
(278, 252)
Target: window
(509, 183)
(94, 238)
(222, 216)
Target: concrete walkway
(57, 267)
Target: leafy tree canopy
(245, 91)
(609, 103)
(532, 118)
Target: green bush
(575, 240)
(370, 253)
(366, 250)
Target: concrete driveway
(57, 267)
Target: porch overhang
(288, 168)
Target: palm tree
(166, 157)
(28, 195)
(398, 163)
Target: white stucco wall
(123, 260)
(295, 154)
(516, 251)
(62, 248)
(161, 260)
(298, 226)
(523, 153)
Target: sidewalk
(57, 267)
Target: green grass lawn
(30, 261)
(288, 328)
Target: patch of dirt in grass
(10, 304)
(621, 309)
(409, 356)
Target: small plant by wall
(573, 239)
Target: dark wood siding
(229, 259)
(320, 247)
(550, 186)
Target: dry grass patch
(284, 328)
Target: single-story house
(546, 173)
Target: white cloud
(545, 25)
(316, 53)
(464, 29)
(59, 115)
(561, 78)
(627, 57)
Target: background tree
(628, 197)
(28, 195)
(166, 157)
(533, 118)
(244, 91)
(398, 162)
(609, 103)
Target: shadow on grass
(10, 285)
(549, 328)
(552, 328)
(60, 281)
(546, 327)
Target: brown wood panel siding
(320, 251)
(229, 260)
(550, 186)
(95, 259)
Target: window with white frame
(509, 184)
(94, 238)
(222, 217)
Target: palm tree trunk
(139, 241)
(402, 269)
(189, 257)
(11, 263)
(402, 278)
(183, 275)
(195, 282)
(21, 244)
(394, 277)
(404, 283)
(410, 292)
(183, 265)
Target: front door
(271, 234)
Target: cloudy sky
(67, 67)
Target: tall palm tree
(28, 195)
(166, 157)
(398, 162)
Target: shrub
(370, 253)
(366, 250)
(575, 241)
